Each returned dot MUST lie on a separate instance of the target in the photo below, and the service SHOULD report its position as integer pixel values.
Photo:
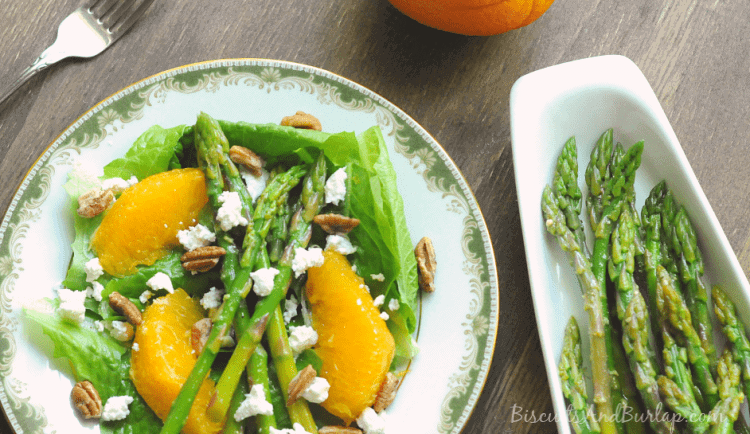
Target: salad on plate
(231, 277)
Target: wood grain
(693, 53)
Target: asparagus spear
(573, 385)
(257, 373)
(233, 426)
(597, 315)
(212, 157)
(673, 309)
(734, 330)
(725, 413)
(567, 193)
(312, 198)
(690, 267)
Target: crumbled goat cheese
(93, 270)
(336, 187)
(393, 305)
(229, 214)
(354, 268)
(99, 326)
(290, 309)
(340, 243)
(255, 184)
(160, 281)
(212, 299)
(71, 304)
(302, 338)
(379, 300)
(116, 408)
(306, 258)
(371, 422)
(317, 391)
(118, 185)
(135, 346)
(384, 315)
(379, 277)
(145, 296)
(95, 291)
(195, 236)
(254, 403)
(263, 280)
(297, 429)
(119, 331)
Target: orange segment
(144, 221)
(539, 8)
(353, 341)
(164, 359)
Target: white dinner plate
(584, 98)
(458, 322)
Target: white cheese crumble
(118, 185)
(393, 305)
(159, 281)
(263, 280)
(229, 214)
(195, 236)
(384, 315)
(145, 296)
(255, 403)
(340, 243)
(379, 277)
(302, 338)
(135, 346)
(95, 291)
(306, 258)
(71, 304)
(93, 270)
(116, 408)
(120, 331)
(371, 422)
(317, 391)
(379, 300)
(290, 309)
(212, 299)
(297, 429)
(255, 184)
(336, 187)
(99, 326)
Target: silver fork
(86, 32)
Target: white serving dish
(583, 98)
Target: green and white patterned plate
(458, 323)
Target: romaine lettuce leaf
(156, 150)
(99, 358)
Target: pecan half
(426, 264)
(302, 120)
(122, 305)
(387, 393)
(94, 202)
(336, 223)
(339, 430)
(199, 335)
(202, 259)
(300, 382)
(248, 158)
(86, 399)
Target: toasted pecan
(247, 158)
(336, 223)
(94, 202)
(302, 120)
(199, 335)
(386, 393)
(202, 259)
(299, 383)
(331, 429)
(122, 305)
(86, 399)
(426, 264)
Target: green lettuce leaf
(99, 358)
(156, 150)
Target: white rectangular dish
(584, 98)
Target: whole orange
(473, 17)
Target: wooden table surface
(694, 53)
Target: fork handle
(49, 56)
